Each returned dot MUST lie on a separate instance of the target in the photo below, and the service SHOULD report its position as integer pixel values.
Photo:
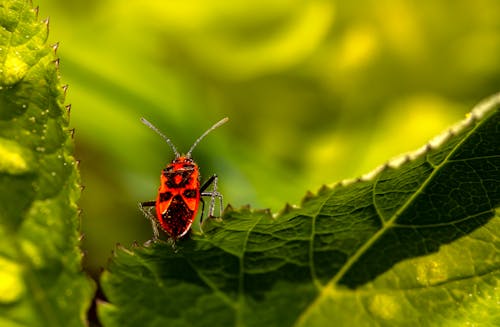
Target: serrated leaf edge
(474, 116)
(471, 118)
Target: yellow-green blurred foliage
(316, 91)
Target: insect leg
(202, 210)
(145, 207)
(207, 183)
(213, 194)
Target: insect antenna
(148, 124)
(217, 124)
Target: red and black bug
(180, 192)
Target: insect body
(180, 192)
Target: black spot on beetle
(184, 180)
(165, 196)
(189, 193)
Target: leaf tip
(346, 182)
(65, 89)
(46, 22)
(323, 189)
(245, 208)
(374, 173)
(287, 209)
(56, 63)
(228, 209)
(484, 106)
(337, 185)
(54, 47)
(398, 161)
(308, 197)
(439, 139)
(68, 110)
(266, 212)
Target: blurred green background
(316, 91)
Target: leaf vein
(389, 224)
(212, 286)
(241, 277)
(448, 223)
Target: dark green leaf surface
(414, 243)
(41, 283)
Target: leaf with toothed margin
(414, 243)
(41, 282)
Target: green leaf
(41, 282)
(414, 243)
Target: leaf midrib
(387, 225)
